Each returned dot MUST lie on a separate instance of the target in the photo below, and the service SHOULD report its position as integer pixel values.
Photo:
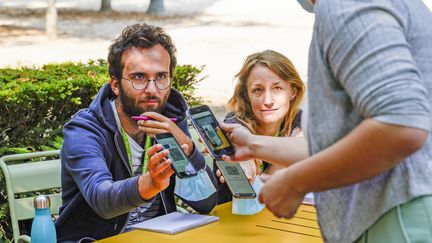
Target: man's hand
(158, 124)
(248, 167)
(162, 124)
(240, 137)
(159, 172)
(279, 194)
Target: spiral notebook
(175, 222)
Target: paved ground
(215, 33)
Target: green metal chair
(30, 177)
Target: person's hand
(279, 194)
(158, 124)
(220, 176)
(162, 124)
(240, 137)
(159, 167)
(185, 147)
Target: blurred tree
(156, 7)
(105, 6)
(51, 20)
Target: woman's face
(269, 95)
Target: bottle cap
(42, 202)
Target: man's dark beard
(129, 104)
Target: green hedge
(36, 102)
(185, 80)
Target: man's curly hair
(141, 36)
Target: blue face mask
(249, 206)
(306, 5)
(195, 188)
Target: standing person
(107, 185)
(266, 100)
(370, 98)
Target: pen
(146, 118)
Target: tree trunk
(156, 7)
(51, 20)
(105, 6)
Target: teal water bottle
(43, 229)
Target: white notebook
(175, 222)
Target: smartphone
(209, 130)
(236, 179)
(180, 162)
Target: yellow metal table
(262, 227)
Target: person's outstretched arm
(278, 150)
(369, 150)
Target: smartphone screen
(209, 130)
(236, 179)
(180, 163)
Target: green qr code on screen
(232, 170)
(175, 154)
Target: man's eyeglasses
(140, 81)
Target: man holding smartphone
(112, 176)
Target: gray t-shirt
(150, 209)
(370, 60)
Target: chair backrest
(30, 177)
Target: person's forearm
(369, 150)
(279, 150)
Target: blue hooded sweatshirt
(98, 189)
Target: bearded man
(113, 175)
